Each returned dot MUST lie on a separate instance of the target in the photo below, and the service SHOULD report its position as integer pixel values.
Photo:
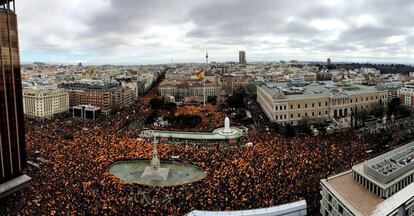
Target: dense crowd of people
(276, 170)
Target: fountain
(227, 130)
(151, 173)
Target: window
(306, 114)
(298, 106)
(319, 113)
(313, 105)
(306, 105)
(280, 107)
(319, 104)
(276, 107)
(285, 107)
(313, 114)
(326, 103)
(291, 115)
(291, 106)
(298, 115)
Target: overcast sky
(156, 31)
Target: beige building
(406, 94)
(288, 105)
(188, 90)
(45, 102)
(380, 186)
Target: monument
(155, 172)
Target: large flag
(200, 75)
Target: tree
(405, 111)
(361, 116)
(395, 107)
(184, 120)
(304, 126)
(156, 103)
(236, 100)
(289, 130)
(171, 107)
(240, 114)
(212, 100)
(378, 111)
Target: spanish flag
(200, 75)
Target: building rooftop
(351, 192)
(295, 208)
(312, 90)
(391, 165)
(80, 85)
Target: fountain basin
(179, 173)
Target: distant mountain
(39, 63)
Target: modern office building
(12, 139)
(317, 100)
(242, 57)
(86, 112)
(380, 186)
(43, 102)
(406, 94)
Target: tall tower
(242, 57)
(12, 143)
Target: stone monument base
(161, 175)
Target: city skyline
(148, 32)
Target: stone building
(316, 101)
(45, 102)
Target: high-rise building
(328, 61)
(12, 139)
(242, 57)
(380, 186)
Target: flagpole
(205, 79)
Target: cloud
(154, 31)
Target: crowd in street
(276, 170)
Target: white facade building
(45, 102)
(289, 105)
(406, 94)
